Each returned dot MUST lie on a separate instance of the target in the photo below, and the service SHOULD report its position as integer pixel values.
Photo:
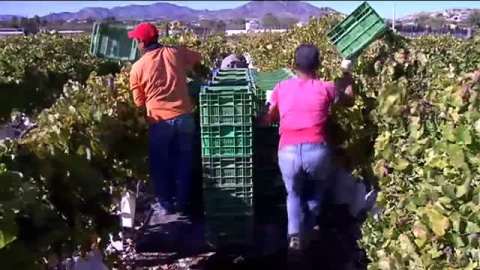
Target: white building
(302, 23)
(256, 31)
(68, 32)
(252, 25)
(4, 32)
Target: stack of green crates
(242, 181)
(227, 107)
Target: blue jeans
(171, 160)
(305, 169)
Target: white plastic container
(268, 95)
(7, 133)
(127, 208)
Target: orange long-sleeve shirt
(159, 82)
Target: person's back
(162, 74)
(303, 106)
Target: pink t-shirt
(303, 107)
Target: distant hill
(258, 9)
(254, 9)
(8, 17)
(59, 16)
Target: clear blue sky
(384, 8)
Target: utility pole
(393, 21)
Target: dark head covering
(307, 58)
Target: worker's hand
(346, 65)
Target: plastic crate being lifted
(357, 31)
(112, 42)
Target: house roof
(10, 33)
(8, 29)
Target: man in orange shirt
(159, 83)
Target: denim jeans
(305, 169)
(171, 160)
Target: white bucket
(7, 133)
(127, 208)
(268, 95)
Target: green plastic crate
(230, 82)
(278, 75)
(226, 88)
(357, 31)
(279, 72)
(229, 76)
(269, 180)
(266, 81)
(224, 230)
(227, 171)
(227, 201)
(266, 158)
(112, 42)
(233, 71)
(226, 108)
(227, 140)
(267, 137)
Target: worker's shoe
(184, 215)
(309, 238)
(294, 248)
(164, 209)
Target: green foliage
(409, 133)
(59, 185)
(414, 131)
(33, 70)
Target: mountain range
(254, 9)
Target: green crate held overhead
(112, 42)
(357, 31)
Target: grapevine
(414, 132)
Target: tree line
(28, 24)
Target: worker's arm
(344, 86)
(271, 112)
(137, 90)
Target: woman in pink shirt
(302, 105)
